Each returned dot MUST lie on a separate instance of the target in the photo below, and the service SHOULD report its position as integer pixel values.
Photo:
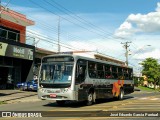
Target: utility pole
(126, 48)
(59, 35)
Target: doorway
(6, 78)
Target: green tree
(151, 69)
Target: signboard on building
(15, 51)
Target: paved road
(16, 96)
(138, 101)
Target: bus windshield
(56, 72)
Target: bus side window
(92, 69)
(130, 74)
(127, 74)
(120, 73)
(80, 71)
(100, 71)
(114, 72)
(108, 74)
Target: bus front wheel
(90, 99)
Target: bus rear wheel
(60, 102)
(90, 99)
(121, 95)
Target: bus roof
(86, 58)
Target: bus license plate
(53, 95)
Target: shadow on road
(75, 104)
(6, 94)
(10, 95)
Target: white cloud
(144, 23)
(125, 29)
(125, 25)
(90, 41)
(154, 54)
(158, 6)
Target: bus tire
(60, 102)
(90, 99)
(121, 95)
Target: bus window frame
(77, 71)
(101, 71)
(108, 71)
(120, 73)
(92, 71)
(114, 72)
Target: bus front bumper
(45, 95)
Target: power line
(63, 17)
(76, 17)
(55, 43)
(72, 21)
(59, 34)
(47, 38)
(4, 6)
(82, 20)
(81, 39)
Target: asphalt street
(138, 101)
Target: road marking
(155, 99)
(146, 98)
(143, 98)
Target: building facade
(99, 56)
(16, 57)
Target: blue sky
(99, 6)
(98, 25)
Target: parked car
(29, 85)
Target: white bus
(76, 78)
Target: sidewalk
(15, 96)
(136, 89)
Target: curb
(15, 96)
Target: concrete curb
(16, 96)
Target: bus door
(80, 71)
(80, 78)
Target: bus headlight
(43, 90)
(66, 90)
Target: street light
(134, 53)
(139, 50)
